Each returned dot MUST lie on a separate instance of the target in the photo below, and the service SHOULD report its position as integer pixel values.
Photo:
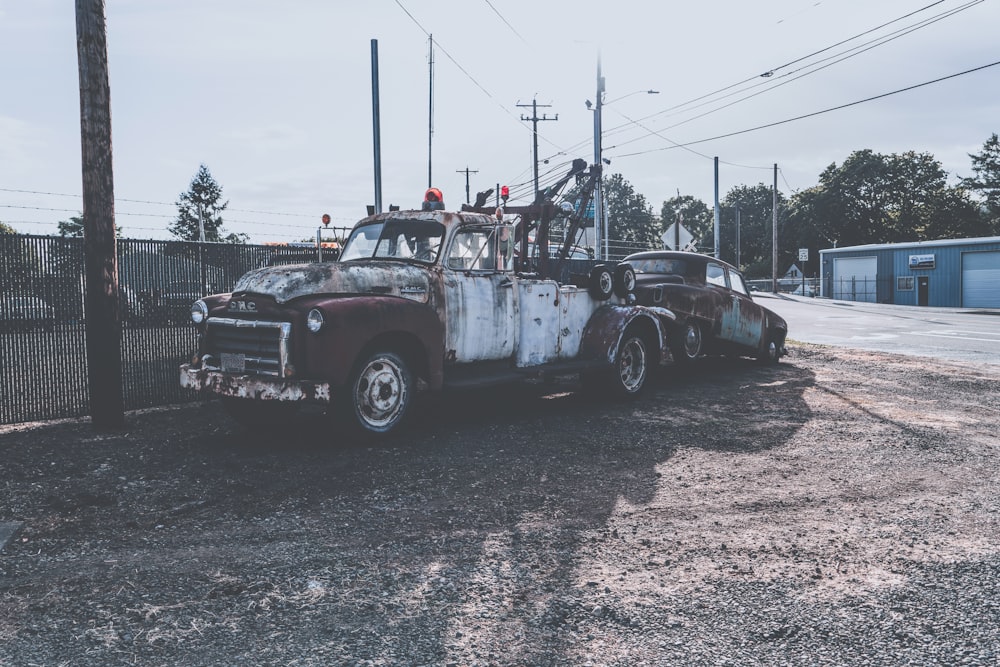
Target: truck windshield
(418, 240)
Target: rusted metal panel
(384, 278)
(481, 316)
(253, 386)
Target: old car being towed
(714, 309)
(417, 295)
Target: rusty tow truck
(426, 298)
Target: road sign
(668, 237)
(803, 254)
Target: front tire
(770, 353)
(686, 344)
(381, 392)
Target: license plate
(234, 362)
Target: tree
(631, 225)
(202, 202)
(693, 214)
(874, 198)
(19, 261)
(756, 204)
(986, 182)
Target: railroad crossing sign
(668, 237)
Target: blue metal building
(957, 273)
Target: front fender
(603, 334)
(352, 323)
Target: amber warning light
(326, 219)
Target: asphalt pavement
(967, 335)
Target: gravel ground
(838, 509)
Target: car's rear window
(676, 267)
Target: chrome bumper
(253, 386)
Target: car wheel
(631, 365)
(601, 282)
(686, 343)
(624, 282)
(256, 415)
(381, 392)
(770, 352)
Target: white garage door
(854, 278)
(981, 279)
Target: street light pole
(601, 227)
(599, 165)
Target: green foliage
(71, 228)
(874, 198)
(756, 204)
(986, 182)
(630, 218)
(7, 229)
(204, 199)
(695, 216)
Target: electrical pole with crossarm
(466, 171)
(534, 130)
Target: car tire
(624, 280)
(380, 393)
(770, 352)
(686, 343)
(601, 283)
(632, 365)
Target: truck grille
(248, 346)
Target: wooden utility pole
(534, 118)
(467, 171)
(103, 315)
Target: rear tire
(624, 283)
(601, 283)
(380, 393)
(631, 368)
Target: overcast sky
(275, 98)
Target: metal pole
(738, 238)
(376, 131)
(599, 222)
(774, 231)
(716, 161)
(430, 109)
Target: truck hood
(285, 283)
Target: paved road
(965, 335)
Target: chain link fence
(44, 367)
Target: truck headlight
(315, 320)
(199, 311)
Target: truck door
(480, 303)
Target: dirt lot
(841, 508)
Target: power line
(858, 50)
(816, 113)
(882, 40)
(506, 22)
(466, 73)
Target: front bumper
(254, 387)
